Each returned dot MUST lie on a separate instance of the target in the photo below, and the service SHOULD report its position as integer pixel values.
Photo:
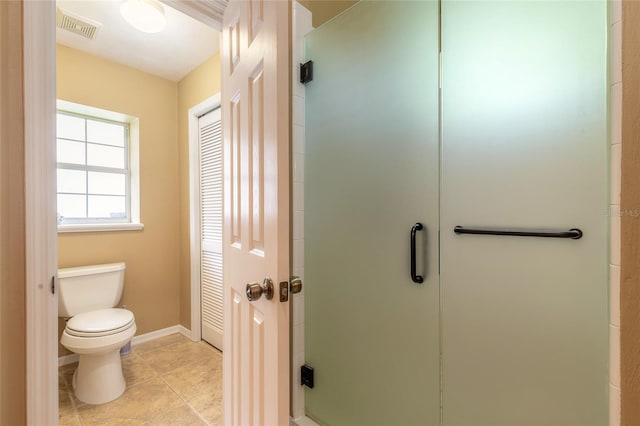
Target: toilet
(95, 329)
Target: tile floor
(170, 381)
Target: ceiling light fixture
(144, 15)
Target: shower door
(505, 330)
(371, 174)
(524, 145)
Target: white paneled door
(255, 117)
(210, 143)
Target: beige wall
(630, 222)
(12, 225)
(152, 278)
(202, 83)
(157, 283)
(324, 10)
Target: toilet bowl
(97, 337)
(95, 330)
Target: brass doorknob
(255, 290)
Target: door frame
(39, 74)
(40, 207)
(195, 113)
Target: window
(94, 171)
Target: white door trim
(194, 209)
(40, 219)
(208, 12)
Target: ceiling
(172, 53)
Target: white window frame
(131, 171)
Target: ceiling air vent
(77, 24)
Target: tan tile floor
(170, 381)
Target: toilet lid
(100, 323)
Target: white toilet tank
(88, 288)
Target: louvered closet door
(210, 135)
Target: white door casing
(40, 201)
(255, 117)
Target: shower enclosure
(456, 214)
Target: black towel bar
(573, 233)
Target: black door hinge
(53, 284)
(306, 376)
(306, 72)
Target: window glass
(104, 206)
(71, 152)
(105, 133)
(93, 170)
(106, 184)
(72, 181)
(72, 205)
(71, 127)
(105, 156)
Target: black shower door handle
(416, 278)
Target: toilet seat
(103, 322)
(95, 343)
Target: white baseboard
(142, 338)
(303, 421)
(67, 359)
(185, 332)
(156, 334)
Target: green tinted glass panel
(371, 172)
(524, 320)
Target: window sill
(100, 227)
